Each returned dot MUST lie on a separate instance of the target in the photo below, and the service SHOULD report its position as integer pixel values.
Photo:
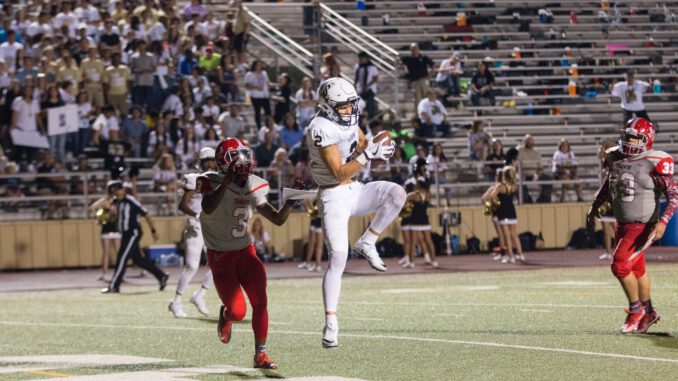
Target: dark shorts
(239, 42)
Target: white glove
(377, 151)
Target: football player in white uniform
(339, 151)
(190, 205)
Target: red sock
(260, 323)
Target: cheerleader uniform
(406, 222)
(506, 213)
(316, 225)
(419, 219)
(608, 216)
(109, 230)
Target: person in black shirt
(127, 209)
(113, 150)
(282, 98)
(264, 153)
(418, 67)
(482, 83)
(497, 156)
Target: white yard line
(526, 310)
(387, 337)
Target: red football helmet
(640, 129)
(229, 151)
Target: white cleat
(403, 260)
(330, 336)
(427, 258)
(302, 265)
(370, 253)
(605, 256)
(177, 309)
(199, 302)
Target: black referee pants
(129, 248)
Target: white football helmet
(334, 93)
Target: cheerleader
(491, 208)
(110, 235)
(315, 238)
(418, 222)
(607, 220)
(506, 213)
(406, 225)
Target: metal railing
(354, 38)
(281, 45)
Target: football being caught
(386, 137)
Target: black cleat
(163, 282)
(109, 290)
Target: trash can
(670, 237)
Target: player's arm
(602, 195)
(663, 177)
(332, 159)
(183, 203)
(211, 200)
(277, 217)
(490, 193)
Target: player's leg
(310, 249)
(252, 276)
(319, 242)
(105, 257)
(622, 268)
(335, 210)
(651, 316)
(386, 199)
(412, 251)
(223, 265)
(608, 233)
(501, 238)
(194, 246)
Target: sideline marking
(526, 310)
(51, 374)
(404, 338)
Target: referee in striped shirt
(127, 210)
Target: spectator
(531, 168)
(226, 79)
(437, 160)
(482, 83)
(209, 62)
(256, 82)
(403, 139)
(186, 63)
(85, 113)
(143, 65)
(210, 109)
(291, 134)
(52, 99)
(264, 153)
(116, 84)
(261, 241)
(202, 92)
(478, 141)
(12, 186)
(114, 150)
(11, 51)
(306, 99)
(270, 126)
(164, 180)
(418, 67)
(211, 138)
(134, 129)
(432, 115)
(242, 23)
(159, 141)
(366, 78)
(496, 160)
(283, 167)
(173, 102)
(421, 154)
(26, 117)
(232, 124)
(26, 70)
(69, 71)
(282, 97)
(564, 167)
(330, 67)
(631, 94)
(302, 170)
(187, 148)
(92, 73)
(398, 166)
(193, 8)
(447, 77)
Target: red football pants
(630, 237)
(233, 269)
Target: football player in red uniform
(637, 176)
(229, 197)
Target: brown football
(383, 135)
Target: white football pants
(194, 247)
(337, 206)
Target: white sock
(369, 237)
(201, 293)
(177, 298)
(331, 320)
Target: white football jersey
(195, 203)
(322, 132)
(226, 228)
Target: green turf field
(523, 325)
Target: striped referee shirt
(129, 209)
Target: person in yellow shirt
(92, 72)
(117, 84)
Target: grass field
(524, 325)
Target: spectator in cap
(366, 78)
(447, 77)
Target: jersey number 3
(624, 187)
(241, 215)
